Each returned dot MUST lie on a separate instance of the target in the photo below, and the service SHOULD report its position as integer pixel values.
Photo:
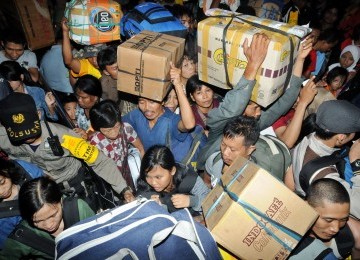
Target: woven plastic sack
(93, 21)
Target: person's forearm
(66, 49)
(34, 74)
(298, 67)
(187, 116)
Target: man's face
(151, 109)
(112, 70)
(332, 217)
(231, 148)
(252, 110)
(13, 51)
(324, 46)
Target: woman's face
(203, 97)
(86, 101)
(331, 15)
(112, 132)
(160, 179)
(5, 187)
(16, 85)
(346, 60)
(188, 68)
(70, 109)
(48, 217)
(337, 83)
(172, 101)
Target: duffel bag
(141, 229)
(152, 17)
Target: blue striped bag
(139, 230)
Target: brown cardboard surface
(36, 22)
(271, 76)
(237, 231)
(144, 64)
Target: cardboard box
(31, 17)
(271, 76)
(144, 64)
(240, 230)
(94, 21)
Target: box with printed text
(254, 215)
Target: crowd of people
(67, 133)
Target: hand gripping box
(254, 215)
(215, 43)
(93, 21)
(144, 64)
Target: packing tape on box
(234, 16)
(253, 212)
(142, 46)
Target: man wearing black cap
(25, 137)
(337, 121)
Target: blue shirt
(38, 94)
(165, 128)
(54, 71)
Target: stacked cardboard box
(144, 64)
(262, 220)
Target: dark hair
(180, 10)
(243, 126)
(104, 114)
(356, 32)
(162, 156)
(308, 126)
(11, 70)
(327, 189)
(335, 72)
(106, 57)
(90, 85)
(323, 134)
(193, 84)
(330, 35)
(34, 194)
(190, 57)
(16, 37)
(333, 5)
(68, 99)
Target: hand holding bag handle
(183, 229)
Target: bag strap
(217, 158)
(71, 213)
(194, 146)
(311, 167)
(28, 237)
(187, 183)
(9, 209)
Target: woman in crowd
(169, 183)
(45, 215)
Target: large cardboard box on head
(31, 17)
(270, 220)
(144, 64)
(273, 74)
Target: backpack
(312, 167)
(26, 236)
(272, 155)
(141, 229)
(187, 152)
(152, 17)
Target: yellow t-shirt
(86, 68)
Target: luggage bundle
(93, 21)
(141, 229)
(152, 17)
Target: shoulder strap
(217, 158)
(9, 209)
(25, 176)
(70, 211)
(187, 183)
(28, 237)
(194, 146)
(316, 164)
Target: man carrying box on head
(86, 60)
(237, 101)
(156, 124)
(24, 137)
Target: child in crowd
(334, 80)
(70, 104)
(169, 183)
(43, 209)
(113, 137)
(349, 58)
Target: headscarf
(355, 52)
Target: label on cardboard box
(271, 218)
(144, 64)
